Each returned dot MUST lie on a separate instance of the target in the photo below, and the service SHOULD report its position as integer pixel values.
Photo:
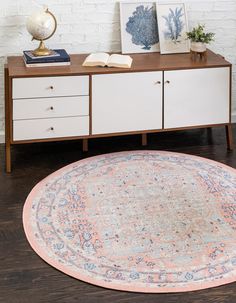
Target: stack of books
(59, 57)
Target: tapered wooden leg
(8, 157)
(144, 139)
(85, 145)
(229, 136)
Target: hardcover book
(104, 59)
(32, 56)
(59, 57)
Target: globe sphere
(41, 25)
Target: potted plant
(199, 38)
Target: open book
(104, 59)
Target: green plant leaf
(198, 35)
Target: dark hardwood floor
(24, 277)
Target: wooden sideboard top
(141, 62)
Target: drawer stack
(50, 107)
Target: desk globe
(42, 26)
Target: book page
(96, 59)
(124, 61)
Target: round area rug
(144, 221)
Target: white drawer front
(50, 128)
(50, 87)
(50, 107)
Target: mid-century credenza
(159, 93)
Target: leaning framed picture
(139, 27)
(172, 25)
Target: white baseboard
(234, 118)
(2, 137)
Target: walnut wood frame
(141, 63)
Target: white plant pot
(198, 47)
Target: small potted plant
(199, 38)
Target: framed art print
(139, 27)
(172, 24)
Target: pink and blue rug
(144, 221)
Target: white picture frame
(172, 26)
(131, 39)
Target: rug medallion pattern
(143, 221)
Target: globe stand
(42, 50)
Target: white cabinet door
(126, 102)
(196, 97)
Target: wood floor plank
(24, 277)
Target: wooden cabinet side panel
(8, 117)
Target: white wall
(88, 25)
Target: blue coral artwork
(172, 24)
(139, 27)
